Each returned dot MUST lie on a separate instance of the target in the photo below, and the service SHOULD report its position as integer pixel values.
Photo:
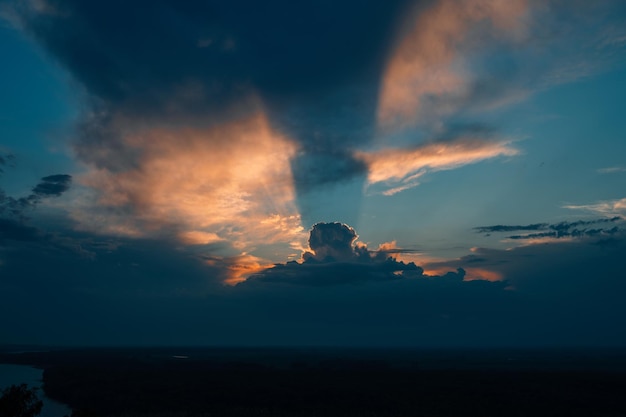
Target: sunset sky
(163, 164)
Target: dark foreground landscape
(332, 382)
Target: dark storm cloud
(141, 55)
(314, 70)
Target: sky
(433, 173)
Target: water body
(20, 374)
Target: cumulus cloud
(335, 257)
(331, 242)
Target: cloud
(196, 237)
(562, 230)
(331, 242)
(399, 169)
(611, 170)
(462, 58)
(563, 292)
(50, 186)
(508, 228)
(217, 126)
(589, 263)
(53, 185)
(615, 207)
(226, 182)
(333, 258)
(203, 126)
(336, 258)
(427, 62)
(209, 60)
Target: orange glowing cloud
(471, 273)
(400, 168)
(475, 274)
(244, 265)
(429, 61)
(230, 182)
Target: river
(20, 374)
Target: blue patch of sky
(566, 134)
(37, 107)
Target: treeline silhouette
(332, 382)
(19, 401)
(196, 389)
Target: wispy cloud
(49, 186)
(429, 62)
(456, 57)
(606, 208)
(611, 170)
(545, 232)
(399, 169)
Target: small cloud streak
(400, 168)
(428, 63)
(611, 170)
(48, 187)
(563, 231)
(607, 208)
(53, 185)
